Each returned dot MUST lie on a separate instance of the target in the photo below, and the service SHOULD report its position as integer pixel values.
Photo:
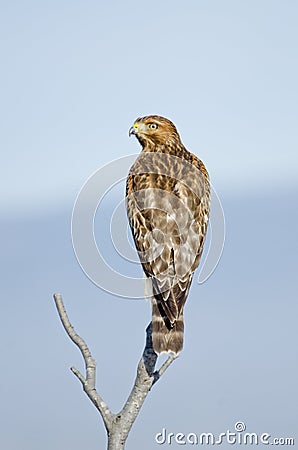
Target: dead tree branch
(117, 425)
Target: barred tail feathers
(166, 337)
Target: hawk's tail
(166, 337)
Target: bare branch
(117, 425)
(145, 379)
(78, 374)
(166, 364)
(90, 365)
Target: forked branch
(117, 425)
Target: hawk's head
(154, 130)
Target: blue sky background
(74, 76)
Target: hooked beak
(136, 128)
(132, 130)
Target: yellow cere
(136, 125)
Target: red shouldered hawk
(168, 202)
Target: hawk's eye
(152, 126)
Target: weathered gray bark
(117, 425)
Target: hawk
(168, 202)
